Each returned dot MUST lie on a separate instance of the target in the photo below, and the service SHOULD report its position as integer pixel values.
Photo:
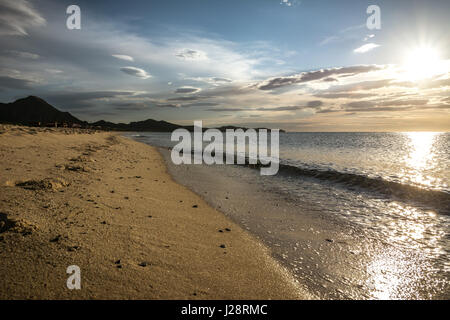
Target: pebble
(195, 206)
(55, 239)
(143, 264)
(222, 246)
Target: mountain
(31, 110)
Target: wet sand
(107, 204)
(335, 258)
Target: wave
(439, 200)
(433, 199)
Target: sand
(107, 204)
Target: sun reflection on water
(420, 158)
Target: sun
(421, 63)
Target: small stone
(73, 248)
(228, 229)
(103, 222)
(55, 239)
(222, 246)
(329, 240)
(143, 264)
(195, 206)
(117, 262)
(119, 266)
(220, 230)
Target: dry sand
(107, 204)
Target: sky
(298, 65)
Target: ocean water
(352, 215)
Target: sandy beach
(106, 204)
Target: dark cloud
(80, 100)
(200, 104)
(227, 109)
(314, 104)
(187, 90)
(188, 98)
(328, 110)
(347, 95)
(314, 75)
(14, 83)
(287, 108)
(130, 106)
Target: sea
(350, 215)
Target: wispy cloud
(123, 57)
(137, 72)
(314, 75)
(366, 48)
(16, 16)
(189, 54)
(187, 90)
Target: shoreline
(107, 204)
(333, 256)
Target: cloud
(385, 105)
(136, 72)
(191, 98)
(123, 57)
(187, 90)
(86, 99)
(7, 82)
(278, 82)
(314, 104)
(211, 80)
(364, 85)
(227, 109)
(366, 48)
(287, 108)
(290, 3)
(130, 106)
(200, 104)
(189, 54)
(369, 36)
(16, 16)
(329, 39)
(346, 95)
(167, 105)
(22, 54)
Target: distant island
(34, 111)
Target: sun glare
(422, 63)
